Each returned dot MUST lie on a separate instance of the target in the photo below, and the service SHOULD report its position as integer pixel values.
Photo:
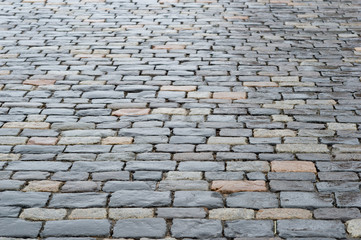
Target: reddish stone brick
(42, 141)
(283, 213)
(131, 111)
(293, 166)
(230, 95)
(39, 82)
(238, 186)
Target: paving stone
(293, 166)
(252, 200)
(336, 213)
(148, 227)
(23, 199)
(170, 213)
(238, 186)
(139, 198)
(11, 227)
(43, 186)
(231, 213)
(197, 199)
(310, 200)
(76, 228)
(354, 227)
(284, 213)
(89, 213)
(244, 228)
(311, 228)
(38, 166)
(196, 228)
(78, 200)
(41, 214)
(348, 199)
(125, 213)
(9, 212)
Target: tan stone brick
(39, 82)
(42, 141)
(238, 186)
(4, 72)
(89, 213)
(281, 118)
(131, 112)
(293, 102)
(43, 214)
(178, 88)
(302, 148)
(230, 95)
(342, 126)
(118, 55)
(9, 140)
(358, 49)
(33, 125)
(170, 111)
(9, 157)
(170, 46)
(231, 213)
(284, 213)
(89, 56)
(43, 186)
(286, 79)
(267, 133)
(124, 213)
(354, 227)
(200, 111)
(2, 56)
(117, 140)
(79, 140)
(227, 140)
(260, 84)
(293, 166)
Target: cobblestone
(160, 119)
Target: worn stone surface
(354, 227)
(135, 228)
(220, 116)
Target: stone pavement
(180, 119)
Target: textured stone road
(180, 119)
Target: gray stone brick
(97, 166)
(37, 149)
(76, 228)
(196, 228)
(311, 228)
(246, 228)
(201, 166)
(252, 200)
(140, 198)
(38, 166)
(135, 228)
(150, 166)
(23, 199)
(9, 212)
(112, 186)
(310, 200)
(198, 199)
(170, 213)
(343, 214)
(11, 227)
(78, 200)
(348, 199)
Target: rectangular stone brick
(22, 125)
(246, 228)
(117, 140)
(136, 228)
(284, 213)
(267, 133)
(11, 227)
(302, 148)
(293, 166)
(76, 228)
(229, 95)
(238, 186)
(227, 140)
